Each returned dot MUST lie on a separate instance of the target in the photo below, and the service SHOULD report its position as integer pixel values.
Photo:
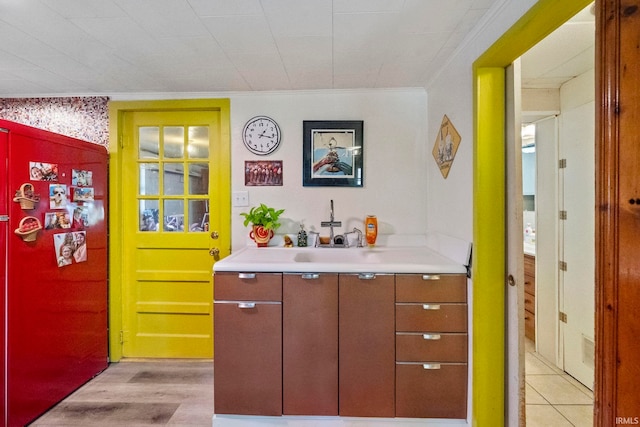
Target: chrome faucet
(331, 223)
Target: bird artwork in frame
(333, 153)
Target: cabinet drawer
(431, 288)
(530, 265)
(530, 325)
(529, 284)
(431, 390)
(529, 302)
(247, 286)
(411, 317)
(432, 347)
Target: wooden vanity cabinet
(248, 343)
(310, 344)
(431, 346)
(367, 348)
(530, 297)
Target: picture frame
(263, 173)
(333, 153)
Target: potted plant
(264, 222)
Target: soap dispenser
(302, 236)
(371, 229)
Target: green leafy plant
(264, 216)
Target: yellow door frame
(489, 195)
(117, 109)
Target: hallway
(137, 393)
(553, 398)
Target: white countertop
(378, 259)
(530, 248)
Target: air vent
(588, 351)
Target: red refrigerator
(53, 258)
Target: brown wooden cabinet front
(367, 346)
(248, 339)
(248, 360)
(530, 296)
(310, 344)
(431, 390)
(431, 346)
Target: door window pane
(198, 215)
(148, 215)
(198, 178)
(149, 142)
(173, 184)
(173, 215)
(198, 147)
(148, 179)
(173, 142)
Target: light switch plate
(240, 198)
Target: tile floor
(137, 393)
(553, 398)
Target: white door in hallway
(577, 283)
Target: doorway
(558, 102)
(489, 237)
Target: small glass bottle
(371, 229)
(302, 237)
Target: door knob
(214, 252)
(214, 235)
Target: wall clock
(261, 135)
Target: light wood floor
(136, 393)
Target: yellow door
(172, 222)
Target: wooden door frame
(617, 160)
(117, 110)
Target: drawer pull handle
(430, 277)
(366, 276)
(431, 306)
(310, 276)
(247, 305)
(430, 366)
(432, 337)
(246, 275)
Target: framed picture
(263, 172)
(332, 154)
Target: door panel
(4, 227)
(578, 281)
(515, 256)
(170, 206)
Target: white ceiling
(85, 47)
(566, 53)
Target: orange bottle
(371, 229)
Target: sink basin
(337, 256)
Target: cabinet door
(248, 358)
(310, 344)
(367, 346)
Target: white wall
(395, 157)
(450, 201)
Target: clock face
(261, 135)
